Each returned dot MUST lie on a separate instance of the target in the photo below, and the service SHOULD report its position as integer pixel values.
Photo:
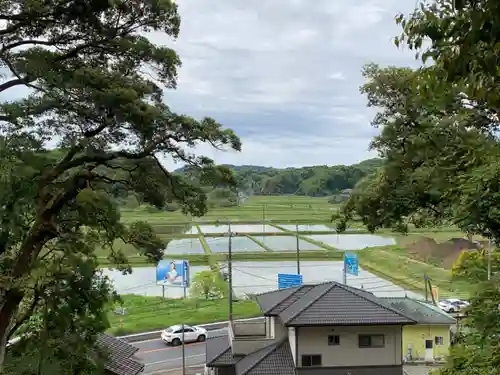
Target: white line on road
(175, 359)
(171, 370)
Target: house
(430, 338)
(327, 328)
(120, 359)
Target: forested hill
(319, 180)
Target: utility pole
(230, 274)
(298, 249)
(183, 353)
(426, 288)
(263, 212)
(489, 260)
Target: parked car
(173, 335)
(452, 305)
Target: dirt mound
(445, 253)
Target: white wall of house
(292, 342)
(314, 340)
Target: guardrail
(145, 336)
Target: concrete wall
(312, 340)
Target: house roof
(330, 303)
(218, 352)
(119, 353)
(420, 311)
(274, 359)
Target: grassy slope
(155, 313)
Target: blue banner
(351, 263)
(173, 273)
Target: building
(428, 340)
(326, 328)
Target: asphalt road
(159, 358)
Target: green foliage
(472, 266)
(95, 88)
(477, 351)
(316, 181)
(435, 151)
(208, 285)
(223, 197)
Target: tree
(477, 350)
(208, 285)
(437, 152)
(95, 85)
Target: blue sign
(173, 273)
(289, 280)
(351, 263)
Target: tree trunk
(12, 296)
(8, 311)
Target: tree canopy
(439, 141)
(94, 87)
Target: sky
(285, 75)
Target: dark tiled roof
(332, 303)
(421, 312)
(275, 359)
(218, 351)
(290, 300)
(119, 353)
(267, 301)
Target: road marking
(176, 359)
(168, 348)
(174, 369)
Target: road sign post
(289, 280)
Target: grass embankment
(391, 263)
(265, 247)
(155, 313)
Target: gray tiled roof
(332, 303)
(274, 360)
(119, 353)
(267, 301)
(218, 351)
(420, 311)
(290, 300)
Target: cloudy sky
(285, 74)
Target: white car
(173, 335)
(452, 305)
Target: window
(188, 330)
(439, 340)
(311, 360)
(371, 341)
(333, 340)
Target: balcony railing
(254, 329)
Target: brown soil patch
(446, 253)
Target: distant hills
(318, 180)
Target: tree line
(314, 181)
